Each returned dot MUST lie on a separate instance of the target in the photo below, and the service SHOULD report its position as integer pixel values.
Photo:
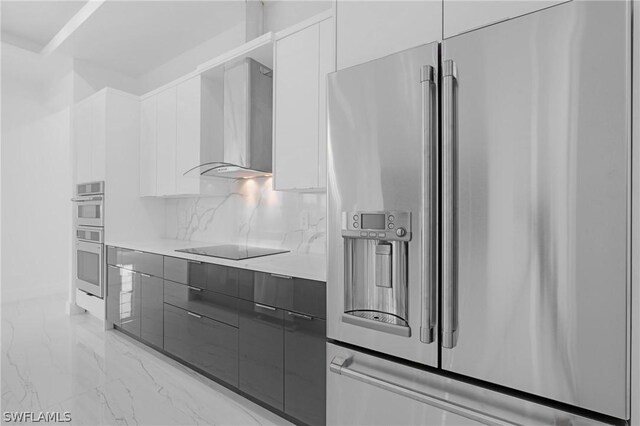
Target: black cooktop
(233, 252)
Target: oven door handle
(86, 200)
(91, 247)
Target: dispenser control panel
(389, 225)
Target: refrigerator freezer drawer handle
(429, 176)
(339, 365)
(449, 140)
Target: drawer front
(218, 278)
(147, 263)
(310, 297)
(185, 271)
(213, 305)
(120, 257)
(269, 289)
(205, 343)
(285, 292)
(261, 350)
(223, 279)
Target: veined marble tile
(250, 212)
(55, 362)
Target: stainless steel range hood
(248, 92)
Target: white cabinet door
(166, 139)
(296, 110)
(148, 146)
(369, 30)
(98, 136)
(188, 135)
(461, 16)
(82, 139)
(327, 64)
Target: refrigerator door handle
(340, 365)
(429, 155)
(449, 136)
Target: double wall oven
(89, 238)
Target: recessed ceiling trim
(73, 24)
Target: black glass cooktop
(233, 252)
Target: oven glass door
(89, 267)
(89, 213)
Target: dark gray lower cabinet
(114, 287)
(262, 333)
(209, 345)
(130, 302)
(152, 304)
(304, 368)
(261, 347)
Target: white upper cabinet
(99, 136)
(303, 58)
(199, 128)
(90, 135)
(462, 16)
(83, 141)
(188, 135)
(166, 129)
(368, 30)
(148, 146)
(181, 128)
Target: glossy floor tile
(55, 362)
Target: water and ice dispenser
(376, 276)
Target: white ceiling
(132, 37)
(33, 23)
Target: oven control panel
(382, 225)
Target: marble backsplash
(250, 212)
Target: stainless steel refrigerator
(478, 225)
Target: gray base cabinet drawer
(209, 345)
(213, 305)
(310, 297)
(218, 278)
(152, 305)
(261, 349)
(185, 271)
(147, 263)
(296, 294)
(269, 289)
(305, 368)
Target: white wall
(189, 60)
(90, 78)
(36, 174)
(281, 14)
(277, 15)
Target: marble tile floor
(54, 362)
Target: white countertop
(310, 266)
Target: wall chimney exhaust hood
(247, 109)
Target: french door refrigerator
(478, 222)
